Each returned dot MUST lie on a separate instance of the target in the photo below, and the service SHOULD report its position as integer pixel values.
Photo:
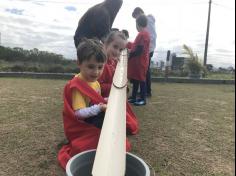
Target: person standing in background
(151, 28)
(138, 62)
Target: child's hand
(127, 89)
(106, 99)
(103, 107)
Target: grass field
(185, 129)
(225, 76)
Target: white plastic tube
(111, 151)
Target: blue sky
(50, 25)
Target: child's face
(91, 69)
(115, 47)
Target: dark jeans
(136, 84)
(97, 120)
(148, 76)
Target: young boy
(83, 105)
(139, 61)
(151, 29)
(91, 61)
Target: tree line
(19, 59)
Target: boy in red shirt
(138, 61)
(84, 106)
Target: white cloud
(15, 11)
(70, 8)
(50, 25)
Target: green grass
(184, 74)
(185, 129)
(221, 76)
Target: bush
(194, 67)
(18, 68)
(56, 69)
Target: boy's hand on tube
(103, 107)
(106, 99)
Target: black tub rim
(68, 169)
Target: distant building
(162, 65)
(153, 64)
(177, 63)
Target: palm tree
(188, 51)
(193, 65)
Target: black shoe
(140, 103)
(131, 100)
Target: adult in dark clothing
(97, 21)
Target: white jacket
(151, 28)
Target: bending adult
(97, 21)
(151, 28)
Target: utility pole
(167, 69)
(207, 33)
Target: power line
(223, 6)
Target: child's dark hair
(111, 35)
(89, 48)
(142, 21)
(137, 11)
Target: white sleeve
(87, 112)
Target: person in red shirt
(138, 61)
(151, 28)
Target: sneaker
(140, 103)
(131, 100)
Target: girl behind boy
(114, 44)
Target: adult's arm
(113, 7)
